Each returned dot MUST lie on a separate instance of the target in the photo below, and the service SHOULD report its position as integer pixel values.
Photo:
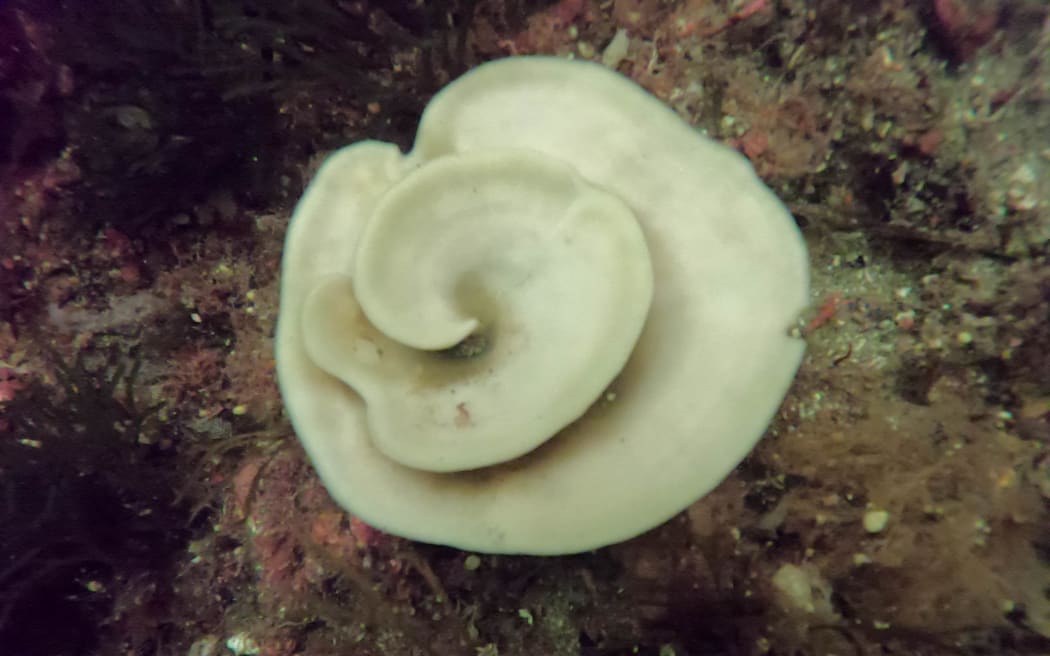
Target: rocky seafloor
(155, 500)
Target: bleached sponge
(554, 324)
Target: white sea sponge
(628, 285)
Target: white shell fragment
(554, 324)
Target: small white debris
(861, 559)
(793, 583)
(242, 645)
(206, 646)
(802, 588)
(875, 521)
(616, 51)
(1021, 194)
